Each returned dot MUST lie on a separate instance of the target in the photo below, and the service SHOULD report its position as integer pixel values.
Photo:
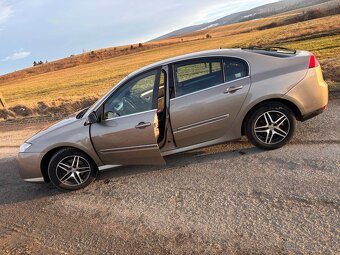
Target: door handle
(233, 89)
(142, 125)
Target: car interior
(161, 109)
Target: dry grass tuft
(6, 114)
(21, 110)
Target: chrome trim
(132, 114)
(137, 147)
(201, 123)
(223, 84)
(39, 179)
(105, 167)
(195, 146)
(208, 56)
(233, 89)
(143, 125)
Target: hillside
(42, 91)
(255, 13)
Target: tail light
(313, 62)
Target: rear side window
(195, 75)
(235, 68)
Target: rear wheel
(71, 169)
(270, 126)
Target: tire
(270, 126)
(71, 169)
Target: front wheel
(270, 126)
(71, 169)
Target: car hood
(53, 127)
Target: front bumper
(29, 167)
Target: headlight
(24, 147)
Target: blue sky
(33, 30)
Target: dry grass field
(66, 83)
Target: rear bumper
(29, 167)
(310, 95)
(313, 114)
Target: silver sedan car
(181, 104)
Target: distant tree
(35, 63)
(114, 48)
(131, 47)
(208, 36)
(181, 39)
(92, 52)
(140, 45)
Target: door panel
(207, 114)
(128, 140)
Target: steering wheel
(128, 104)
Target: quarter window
(235, 69)
(197, 75)
(134, 97)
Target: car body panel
(29, 165)
(118, 141)
(311, 94)
(70, 132)
(193, 122)
(200, 119)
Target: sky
(34, 30)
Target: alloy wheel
(272, 127)
(73, 170)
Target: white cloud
(6, 11)
(17, 55)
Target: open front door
(128, 132)
(129, 140)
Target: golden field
(94, 73)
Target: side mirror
(92, 118)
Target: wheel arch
(48, 156)
(289, 104)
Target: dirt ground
(226, 199)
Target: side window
(197, 75)
(135, 96)
(235, 69)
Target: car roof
(208, 53)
